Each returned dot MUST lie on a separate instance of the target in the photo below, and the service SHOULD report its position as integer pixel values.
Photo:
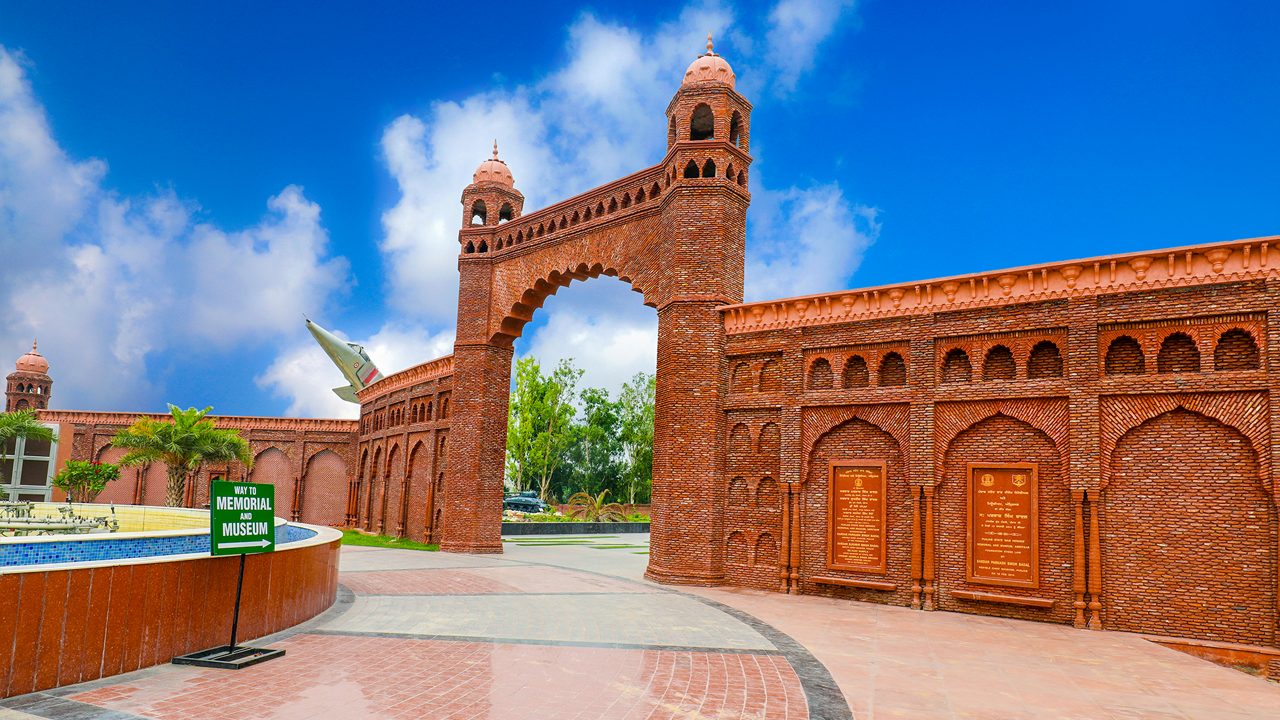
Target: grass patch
(646, 552)
(615, 547)
(556, 538)
(588, 543)
(355, 537)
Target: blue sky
(166, 167)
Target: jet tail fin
(346, 392)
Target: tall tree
(13, 425)
(184, 443)
(539, 423)
(595, 454)
(635, 434)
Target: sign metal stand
(241, 522)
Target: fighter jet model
(350, 358)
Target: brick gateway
(1121, 410)
(1086, 442)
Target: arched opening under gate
(581, 405)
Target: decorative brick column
(687, 537)
(477, 445)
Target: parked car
(521, 503)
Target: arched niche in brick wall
(325, 488)
(1049, 416)
(1225, 583)
(1244, 412)
(419, 496)
(1002, 438)
(272, 466)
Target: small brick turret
(29, 386)
(490, 200)
(707, 112)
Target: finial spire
(495, 148)
(709, 45)
(33, 344)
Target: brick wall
(310, 462)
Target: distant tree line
(561, 441)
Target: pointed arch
(1124, 357)
(702, 124)
(893, 370)
(819, 377)
(956, 367)
(1236, 350)
(1045, 361)
(999, 364)
(1150, 503)
(855, 372)
(324, 480)
(1178, 354)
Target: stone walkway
(573, 631)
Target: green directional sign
(242, 518)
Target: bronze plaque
(856, 516)
(1004, 546)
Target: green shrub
(82, 480)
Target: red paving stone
(889, 662)
(481, 581)
(366, 677)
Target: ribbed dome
(33, 362)
(709, 68)
(494, 170)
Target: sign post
(241, 522)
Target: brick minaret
(473, 520)
(29, 386)
(704, 221)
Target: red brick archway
(677, 237)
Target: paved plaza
(550, 631)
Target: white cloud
(805, 240)
(107, 282)
(598, 117)
(112, 282)
(304, 375)
(604, 327)
(42, 191)
(797, 28)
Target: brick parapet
(1237, 261)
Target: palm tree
(16, 424)
(184, 444)
(593, 508)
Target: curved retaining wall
(65, 624)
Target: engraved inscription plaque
(1004, 547)
(856, 516)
